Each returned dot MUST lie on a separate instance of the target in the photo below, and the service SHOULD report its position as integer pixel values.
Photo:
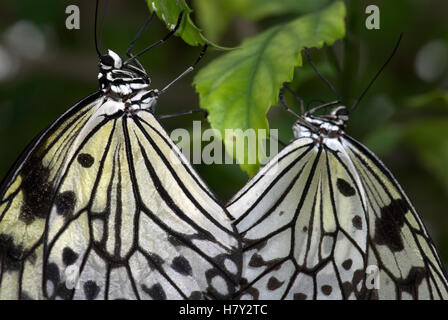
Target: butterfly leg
(296, 96)
(191, 68)
(281, 98)
(285, 105)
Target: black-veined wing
(103, 205)
(325, 219)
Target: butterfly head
(322, 126)
(125, 83)
(110, 61)
(340, 116)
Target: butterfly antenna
(378, 73)
(158, 43)
(310, 61)
(96, 29)
(102, 24)
(139, 34)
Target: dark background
(45, 69)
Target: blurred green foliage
(403, 118)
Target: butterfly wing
(409, 266)
(121, 215)
(319, 223)
(265, 212)
(26, 195)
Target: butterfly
(103, 205)
(325, 219)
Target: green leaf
(169, 11)
(239, 87)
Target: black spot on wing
(182, 266)
(257, 261)
(91, 290)
(196, 295)
(326, 290)
(52, 272)
(65, 203)
(274, 284)
(299, 296)
(156, 292)
(389, 224)
(357, 222)
(36, 189)
(347, 264)
(69, 257)
(11, 253)
(345, 188)
(86, 160)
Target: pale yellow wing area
(26, 197)
(138, 224)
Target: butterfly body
(103, 205)
(325, 219)
(126, 84)
(322, 128)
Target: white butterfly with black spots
(103, 205)
(325, 219)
